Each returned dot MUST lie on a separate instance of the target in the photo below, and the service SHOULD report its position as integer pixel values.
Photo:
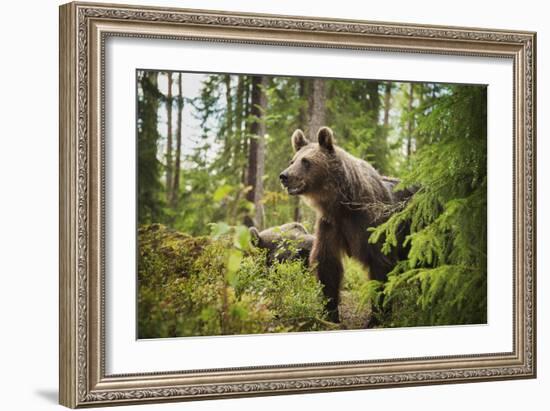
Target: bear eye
(306, 162)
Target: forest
(210, 148)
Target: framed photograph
(259, 204)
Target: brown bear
(349, 196)
(287, 242)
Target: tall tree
(169, 101)
(302, 119)
(256, 147)
(378, 150)
(247, 113)
(316, 107)
(149, 170)
(177, 160)
(239, 116)
(410, 120)
(229, 104)
(387, 106)
(229, 146)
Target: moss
(184, 289)
(167, 253)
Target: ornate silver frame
(83, 30)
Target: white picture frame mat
(126, 354)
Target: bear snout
(284, 178)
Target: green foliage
(444, 279)
(219, 285)
(208, 281)
(292, 293)
(206, 200)
(353, 111)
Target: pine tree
(445, 274)
(150, 204)
(174, 196)
(169, 135)
(256, 147)
(316, 107)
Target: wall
(28, 217)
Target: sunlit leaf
(242, 237)
(222, 192)
(234, 260)
(219, 229)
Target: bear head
(309, 169)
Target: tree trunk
(302, 118)
(150, 189)
(256, 148)
(374, 99)
(239, 106)
(317, 107)
(387, 106)
(169, 140)
(229, 105)
(410, 120)
(378, 149)
(247, 113)
(177, 160)
(229, 151)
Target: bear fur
(287, 242)
(350, 197)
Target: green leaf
(242, 237)
(222, 192)
(219, 229)
(234, 260)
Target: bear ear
(299, 140)
(325, 137)
(254, 236)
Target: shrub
(190, 286)
(292, 294)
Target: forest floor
(352, 317)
